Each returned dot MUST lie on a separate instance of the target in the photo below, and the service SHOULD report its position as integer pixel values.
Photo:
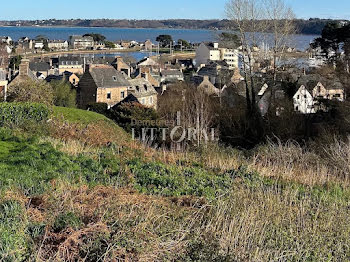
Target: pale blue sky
(153, 9)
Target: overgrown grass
(89, 194)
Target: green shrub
(67, 220)
(21, 114)
(14, 240)
(170, 180)
(101, 108)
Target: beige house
(58, 45)
(121, 66)
(71, 78)
(73, 64)
(330, 92)
(102, 84)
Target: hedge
(16, 114)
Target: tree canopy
(96, 37)
(164, 40)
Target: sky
(153, 9)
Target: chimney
(24, 67)
(205, 78)
(216, 45)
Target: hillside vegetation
(79, 189)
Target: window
(298, 97)
(114, 78)
(305, 96)
(109, 95)
(122, 95)
(296, 108)
(143, 101)
(151, 100)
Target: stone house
(143, 92)
(203, 82)
(24, 74)
(102, 84)
(73, 64)
(332, 91)
(121, 66)
(40, 67)
(171, 76)
(72, 78)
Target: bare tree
(280, 18)
(247, 19)
(257, 22)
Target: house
(3, 83)
(333, 91)
(73, 64)
(102, 84)
(71, 78)
(24, 74)
(314, 90)
(148, 62)
(148, 45)
(203, 83)
(121, 66)
(207, 52)
(25, 43)
(6, 40)
(81, 42)
(100, 45)
(145, 72)
(58, 45)
(39, 44)
(143, 92)
(40, 67)
(303, 101)
(171, 76)
(271, 94)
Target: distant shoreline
(137, 28)
(304, 27)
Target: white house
(212, 52)
(304, 101)
(58, 45)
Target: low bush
(21, 114)
(171, 180)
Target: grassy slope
(120, 204)
(78, 116)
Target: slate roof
(140, 87)
(176, 73)
(108, 77)
(39, 66)
(71, 60)
(311, 81)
